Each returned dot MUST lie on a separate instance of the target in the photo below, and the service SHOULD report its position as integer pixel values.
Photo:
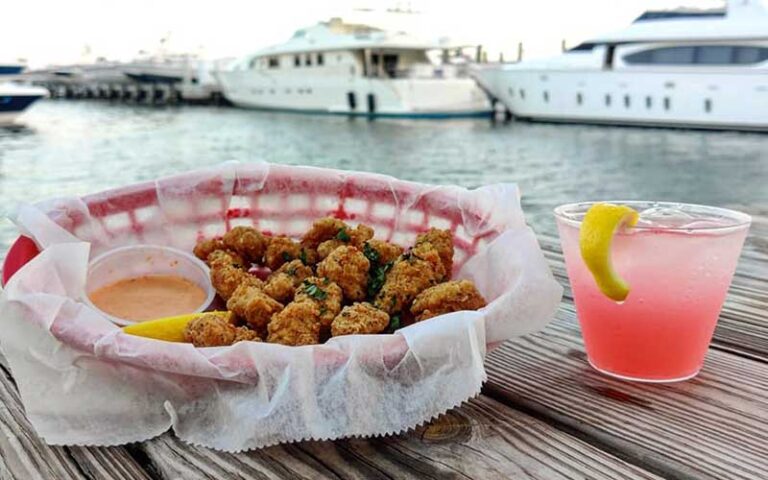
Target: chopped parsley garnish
(394, 323)
(371, 254)
(292, 271)
(287, 257)
(314, 291)
(377, 277)
(343, 235)
(303, 256)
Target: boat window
(648, 102)
(522, 94)
(390, 64)
(667, 103)
(607, 100)
(583, 47)
(627, 101)
(546, 96)
(296, 61)
(708, 105)
(679, 14)
(308, 59)
(714, 55)
(748, 55)
(320, 59)
(274, 62)
(579, 98)
(699, 55)
(673, 55)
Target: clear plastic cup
(144, 260)
(678, 262)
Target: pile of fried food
(337, 280)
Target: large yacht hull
(14, 100)
(391, 97)
(714, 100)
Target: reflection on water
(17, 128)
(77, 147)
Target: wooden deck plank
(24, 456)
(711, 427)
(483, 439)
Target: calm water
(77, 147)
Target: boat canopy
(743, 20)
(337, 35)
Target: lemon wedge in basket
(170, 329)
(595, 238)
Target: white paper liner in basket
(84, 382)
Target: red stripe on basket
(286, 181)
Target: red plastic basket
(285, 202)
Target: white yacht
(191, 75)
(683, 68)
(14, 98)
(354, 69)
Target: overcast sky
(61, 31)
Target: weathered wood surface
(545, 414)
(23, 455)
(711, 427)
(483, 439)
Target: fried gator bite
(336, 233)
(381, 252)
(214, 330)
(442, 241)
(348, 268)
(323, 292)
(412, 273)
(225, 257)
(248, 242)
(297, 324)
(226, 278)
(355, 237)
(282, 250)
(360, 318)
(281, 284)
(206, 247)
(446, 298)
(250, 303)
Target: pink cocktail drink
(678, 262)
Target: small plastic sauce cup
(145, 260)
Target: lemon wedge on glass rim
(598, 227)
